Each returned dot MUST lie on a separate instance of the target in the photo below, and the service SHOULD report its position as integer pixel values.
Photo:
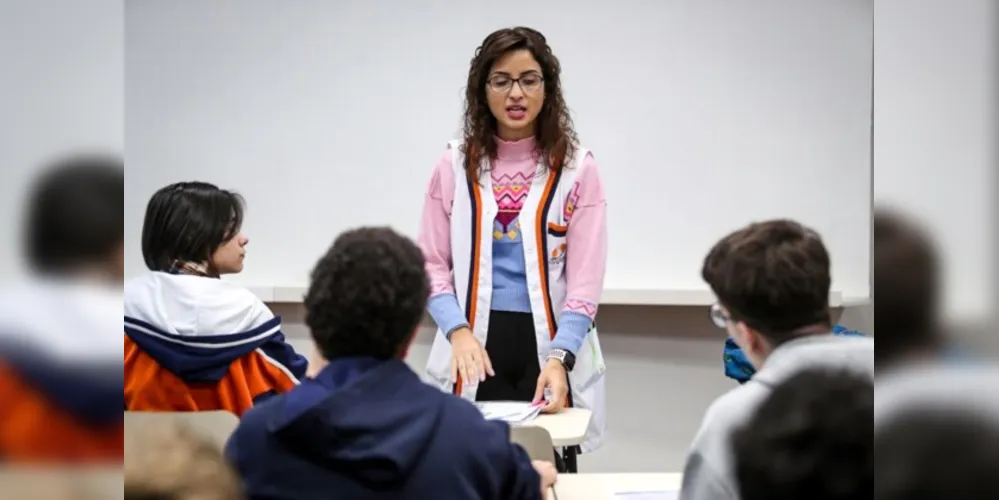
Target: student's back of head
(60, 345)
(931, 452)
(810, 439)
(367, 296)
(365, 425)
(194, 227)
(772, 281)
(907, 290)
(172, 462)
(75, 218)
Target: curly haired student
(366, 426)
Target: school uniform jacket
(194, 343)
(59, 374)
(370, 429)
(543, 224)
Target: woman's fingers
(488, 364)
(559, 390)
(471, 362)
(475, 367)
(463, 370)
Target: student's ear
(748, 339)
(316, 362)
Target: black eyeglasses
(502, 83)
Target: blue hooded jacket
(370, 429)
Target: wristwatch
(565, 357)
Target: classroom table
(605, 486)
(568, 429)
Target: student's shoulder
(161, 298)
(730, 410)
(464, 419)
(253, 425)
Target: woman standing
(514, 231)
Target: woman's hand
(469, 358)
(548, 473)
(554, 378)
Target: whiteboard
(936, 123)
(702, 115)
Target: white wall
(936, 136)
(704, 115)
(61, 91)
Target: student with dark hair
(194, 342)
(907, 284)
(60, 382)
(936, 430)
(811, 438)
(772, 282)
(366, 426)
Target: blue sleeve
(279, 350)
(572, 330)
(231, 450)
(446, 312)
(523, 481)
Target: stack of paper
(513, 412)
(647, 495)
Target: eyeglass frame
(719, 317)
(516, 81)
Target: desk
(568, 430)
(567, 427)
(604, 486)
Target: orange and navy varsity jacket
(60, 377)
(194, 343)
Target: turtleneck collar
(524, 149)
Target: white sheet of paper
(514, 412)
(647, 495)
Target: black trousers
(513, 350)
(512, 346)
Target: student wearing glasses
(772, 281)
(514, 232)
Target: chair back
(215, 425)
(535, 440)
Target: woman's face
(228, 257)
(515, 90)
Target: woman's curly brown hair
(554, 134)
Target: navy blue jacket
(370, 429)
